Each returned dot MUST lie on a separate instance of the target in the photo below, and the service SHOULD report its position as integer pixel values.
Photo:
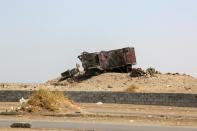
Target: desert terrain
(159, 83)
(43, 106)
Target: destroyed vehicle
(119, 60)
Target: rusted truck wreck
(119, 60)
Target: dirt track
(15, 129)
(159, 115)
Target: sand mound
(148, 81)
(158, 83)
(45, 100)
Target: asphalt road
(96, 126)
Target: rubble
(152, 71)
(137, 72)
(69, 74)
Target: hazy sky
(39, 39)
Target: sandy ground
(121, 113)
(15, 129)
(118, 82)
(123, 109)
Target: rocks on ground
(138, 72)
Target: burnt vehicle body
(119, 60)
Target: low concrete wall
(165, 99)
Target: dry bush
(47, 100)
(133, 88)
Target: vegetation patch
(133, 88)
(45, 100)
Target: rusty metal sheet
(117, 58)
(130, 57)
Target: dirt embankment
(165, 83)
(121, 81)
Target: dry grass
(133, 88)
(47, 100)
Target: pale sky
(39, 39)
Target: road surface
(96, 126)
